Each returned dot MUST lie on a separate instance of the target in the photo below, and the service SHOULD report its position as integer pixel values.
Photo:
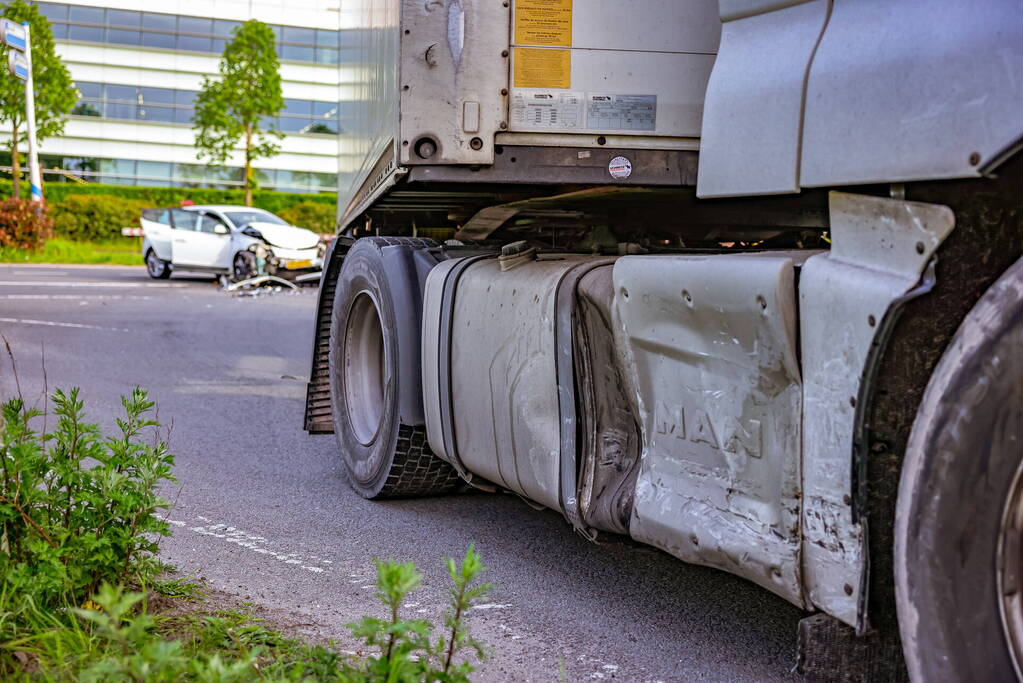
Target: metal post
(34, 177)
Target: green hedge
(312, 216)
(95, 217)
(274, 202)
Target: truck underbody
(684, 342)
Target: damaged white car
(238, 241)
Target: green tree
(55, 93)
(230, 111)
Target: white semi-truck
(740, 280)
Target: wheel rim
(153, 263)
(1010, 570)
(241, 268)
(364, 360)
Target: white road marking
(255, 543)
(509, 632)
(606, 668)
(51, 323)
(491, 605)
(59, 283)
(75, 297)
(74, 266)
(270, 388)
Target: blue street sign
(14, 35)
(18, 65)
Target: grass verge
(124, 635)
(123, 252)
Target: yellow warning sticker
(540, 68)
(543, 22)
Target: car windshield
(243, 218)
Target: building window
(164, 105)
(168, 174)
(53, 11)
(187, 33)
(124, 18)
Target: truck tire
(383, 457)
(959, 521)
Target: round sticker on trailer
(620, 168)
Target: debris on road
(261, 285)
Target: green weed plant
(78, 509)
(79, 526)
(407, 650)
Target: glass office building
(138, 71)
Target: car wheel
(157, 268)
(244, 266)
(959, 525)
(384, 457)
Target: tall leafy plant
(55, 93)
(406, 649)
(78, 509)
(230, 111)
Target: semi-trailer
(739, 280)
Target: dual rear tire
(384, 453)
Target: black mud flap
(407, 262)
(318, 419)
(831, 651)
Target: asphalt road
(262, 509)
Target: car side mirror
(220, 229)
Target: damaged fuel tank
(671, 413)
(525, 347)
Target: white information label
(621, 112)
(547, 109)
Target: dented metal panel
(610, 442)
(711, 342)
(598, 446)
(567, 350)
(507, 418)
(880, 248)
